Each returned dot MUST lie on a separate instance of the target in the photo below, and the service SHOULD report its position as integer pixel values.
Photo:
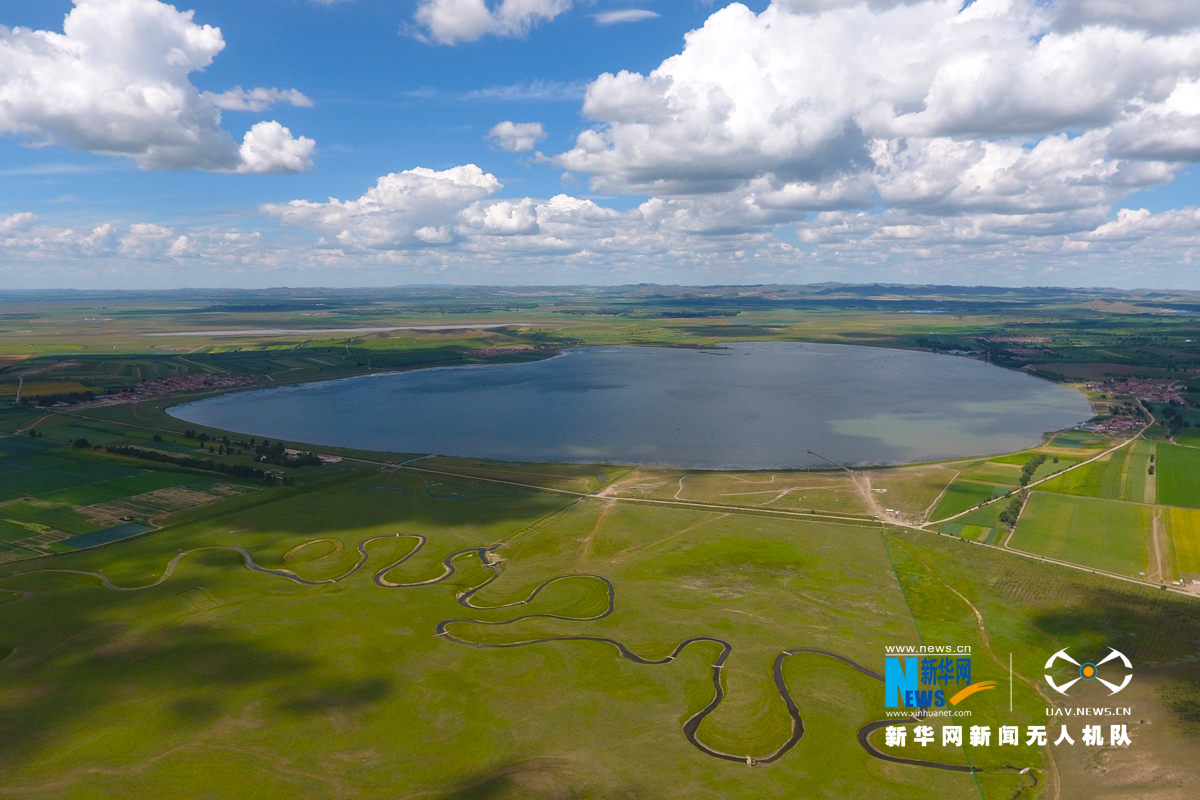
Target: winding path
(465, 598)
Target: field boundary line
(1039, 482)
(929, 509)
(1048, 560)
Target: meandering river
(742, 406)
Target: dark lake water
(747, 406)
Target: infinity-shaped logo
(1089, 671)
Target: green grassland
(913, 490)
(220, 678)
(356, 691)
(828, 492)
(1104, 534)
(1178, 475)
(1080, 440)
(441, 628)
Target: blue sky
(383, 101)
(794, 141)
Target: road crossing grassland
(1185, 535)
(1103, 534)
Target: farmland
(1185, 535)
(1103, 534)
(1178, 475)
(962, 495)
(1121, 476)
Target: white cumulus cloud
(403, 209)
(517, 137)
(453, 21)
(270, 147)
(1008, 106)
(115, 82)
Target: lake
(741, 406)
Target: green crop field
(106, 491)
(987, 517)
(1080, 440)
(962, 495)
(1178, 475)
(61, 517)
(1122, 476)
(1104, 534)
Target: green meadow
(219, 681)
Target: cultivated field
(1178, 475)
(1185, 536)
(1104, 534)
(1120, 476)
(963, 495)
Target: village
(178, 384)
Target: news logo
(929, 681)
(1088, 671)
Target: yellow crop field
(34, 389)
(1185, 531)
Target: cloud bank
(818, 140)
(115, 82)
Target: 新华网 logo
(912, 682)
(1088, 671)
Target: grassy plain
(913, 490)
(196, 676)
(219, 678)
(217, 681)
(828, 492)
(1104, 534)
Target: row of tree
(236, 470)
(1031, 466)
